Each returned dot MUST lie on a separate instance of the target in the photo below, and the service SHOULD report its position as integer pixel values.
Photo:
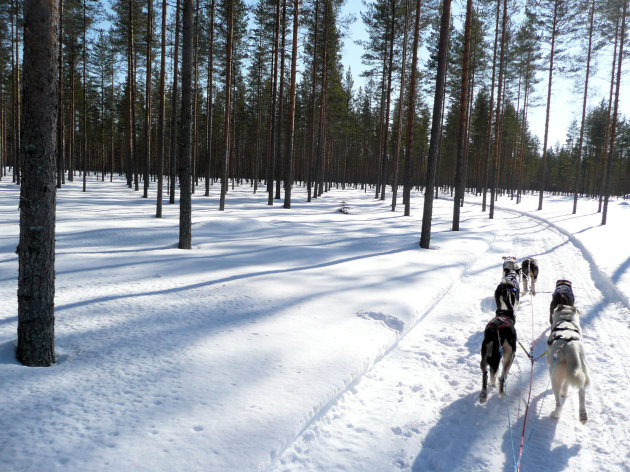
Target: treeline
(120, 103)
(82, 90)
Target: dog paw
(555, 414)
(583, 417)
(483, 396)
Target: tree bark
(228, 104)
(174, 100)
(210, 104)
(615, 112)
(411, 113)
(400, 110)
(60, 159)
(185, 138)
(588, 70)
(497, 121)
(543, 178)
(288, 170)
(36, 249)
(425, 237)
(162, 113)
(486, 176)
(460, 177)
(147, 121)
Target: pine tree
(36, 249)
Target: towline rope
(529, 396)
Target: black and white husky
(562, 295)
(499, 332)
(510, 264)
(565, 358)
(507, 293)
(529, 272)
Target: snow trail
(398, 416)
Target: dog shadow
(538, 450)
(450, 443)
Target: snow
(308, 339)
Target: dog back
(565, 346)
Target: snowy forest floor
(308, 339)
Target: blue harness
(565, 290)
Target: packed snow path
(306, 339)
(418, 410)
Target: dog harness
(565, 330)
(499, 322)
(512, 280)
(565, 289)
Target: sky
(309, 339)
(566, 104)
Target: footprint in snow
(390, 321)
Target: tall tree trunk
(60, 159)
(271, 144)
(283, 24)
(162, 113)
(130, 115)
(185, 138)
(147, 121)
(388, 99)
(319, 166)
(311, 154)
(288, 170)
(411, 113)
(85, 121)
(209, 93)
(173, 150)
(228, 103)
(71, 123)
(554, 32)
(486, 176)
(400, 110)
(425, 237)
(615, 112)
(460, 177)
(523, 134)
(578, 172)
(497, 121)
(17, 128)
(36, 249)
(602, 177)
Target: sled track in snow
(602, 281)
(323, 409)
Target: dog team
(565, 351)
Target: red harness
(499, 322)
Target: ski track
(394, 416)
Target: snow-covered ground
(308, 339)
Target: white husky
(565, 357)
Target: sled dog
(510, 264)
(529, 273)
(562, 295)
(499, 331)
(507, 293)
(565, 358)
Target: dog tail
(576, 366)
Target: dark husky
(565, 358)
(529, 271)
(562, 295)
(507, 293)
(499, 332)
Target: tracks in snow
(416, 407)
